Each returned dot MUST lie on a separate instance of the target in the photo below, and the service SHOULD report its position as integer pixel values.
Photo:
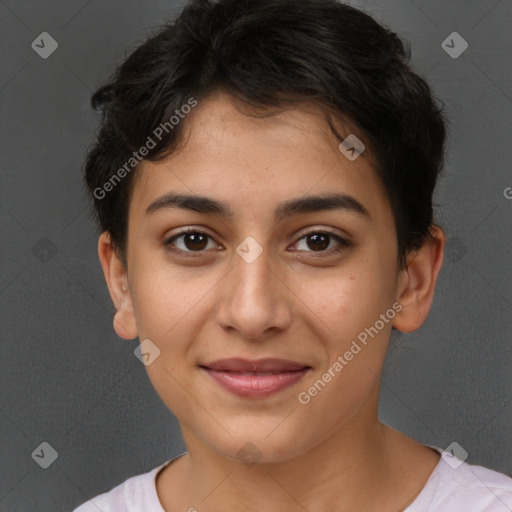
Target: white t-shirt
(452, 487)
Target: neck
(358, 468)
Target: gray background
(68, 380)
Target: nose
(255, 301)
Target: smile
(255, 379)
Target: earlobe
(117, 282)
(418, 281)
(124, 329)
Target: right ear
(117, 282)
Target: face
(259, 280)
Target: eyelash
(343, 243)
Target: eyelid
(189, 229)
(343, 242)
(319, 229)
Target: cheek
(347, 309)
(164, 298)
(355, 346)
(345, 302)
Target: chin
(264, 444)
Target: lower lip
(256, 386)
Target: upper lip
(238, 364)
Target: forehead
(251, 160)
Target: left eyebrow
(307, 204)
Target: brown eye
(195, 241)
(319, 241)
(189, 241)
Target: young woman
(263, 183)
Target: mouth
(257, 378)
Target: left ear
(417, 282)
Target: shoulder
(134, 494)
(456, 486)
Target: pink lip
(229, 373)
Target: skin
(292, 302)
